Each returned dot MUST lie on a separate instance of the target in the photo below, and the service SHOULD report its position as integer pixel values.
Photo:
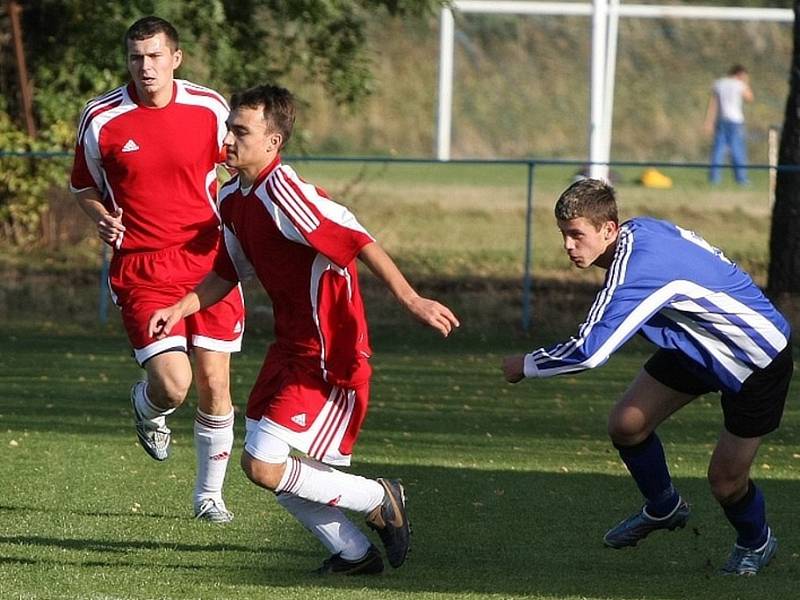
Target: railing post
(103, 298)
(527, 278)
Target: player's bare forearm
(209, 291)
(109, 225)
(212, 289)
(513, 368)
(430, 312)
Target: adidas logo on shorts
(299, 419)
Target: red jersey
(158, 164)
(302, 247)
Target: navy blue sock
(648, 467)
(748, 515)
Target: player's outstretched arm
(428, 311)
(209, 291)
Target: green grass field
(510, 487)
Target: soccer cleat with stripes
(638, 526)
(154, 435)
(389, 519)
(748, 561)
(370, 564)
(212, 511)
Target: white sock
(328, 524)
(143, 404)
(320, 483)
(213, 441)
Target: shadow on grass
(476, 532)
(513, 533)
(93, 545)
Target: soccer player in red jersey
(311, 394)
(145, 173)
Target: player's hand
(433, 314)
(513, 368)
(162, 321)
(110, 226)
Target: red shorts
(142, 282)
(308, 413)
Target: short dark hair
(277, 104)
(592, 199)
(147, 27)
(736, 70)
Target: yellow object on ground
(653, 178)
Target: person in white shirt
(725, 119)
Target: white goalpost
(605, 16)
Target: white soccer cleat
(213, 511)
(154, 435)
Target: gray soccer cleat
(390, 521)
(747, 561)
(154, 435)
(638, 526)
(212, 511)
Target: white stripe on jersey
(91, 144)
(209, 99)
(616, 275)
(330, 209)
(190, 85)
(211, 177)
(290, 202)
(716, 347)
(279, 217)
(721, 324)
(244, 268)
(648, 306)
(106, 99)
(756, 320)
(629, 325)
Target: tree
(784, 247)
(75, 51)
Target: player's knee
(727, 487)
(263, 474)
(214, 393)
(169, 392)
(627, 427)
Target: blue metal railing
(530, 164)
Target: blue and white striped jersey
(681, 293)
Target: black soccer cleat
(370, 564)
(390, 521)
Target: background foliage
(366, 74)
(75, 52)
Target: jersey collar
(266, 171)
(131, 89)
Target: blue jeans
(728, 134)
